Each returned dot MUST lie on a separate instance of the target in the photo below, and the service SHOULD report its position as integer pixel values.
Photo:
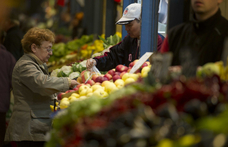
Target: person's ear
(33, 48)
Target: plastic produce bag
(93, 71)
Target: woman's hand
(74, 83)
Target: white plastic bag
(93, 71)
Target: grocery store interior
(147, 103)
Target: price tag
(225, 52)
(160, 64)
(138, 64)
(189, 62)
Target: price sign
(160, 64)
(138, 64)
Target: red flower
(118, 1)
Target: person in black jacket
(204, 35)
(7, 63)
(12, 40)
(128, 50)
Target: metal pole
(149, 26)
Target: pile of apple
(102, 85)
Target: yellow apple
(100, 93)
(64, 104)
(110, 87)
(95, 87)
(119, 83)
(83, 87)
(104, 83)
(83, 92)
(134, 76)
(148, 63)
(145, 71)
(125, 76)
(90, 90)
(73, 99)
(89, 94)
(82, 97)
(105, 94)
(65, 99)
(129, 80)
(75, 94)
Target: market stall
(148, 103)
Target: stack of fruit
(210, 69)
(102, 85)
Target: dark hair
(13, 17)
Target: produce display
(76, 52)
(101, 85)
(66, 53)
(184, 112)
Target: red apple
(116, 77)
(117, 73)
(90, 82)
(75, 89)
(138, 71)
(105, 79)
(122, 74)
(94, 77)
(121, 68)
(70, 91)
(129, 69)
(82, 75)
(78, 86)
(99, 79)
(108, 76)
(144, 65)
(60, 95)
(133, 63)
(111, 72)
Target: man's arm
(111, 59)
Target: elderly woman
(34, 90)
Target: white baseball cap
(130, 13)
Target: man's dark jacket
(7, 63)
(123, 53)
(205, 39)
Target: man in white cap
(128, 50)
